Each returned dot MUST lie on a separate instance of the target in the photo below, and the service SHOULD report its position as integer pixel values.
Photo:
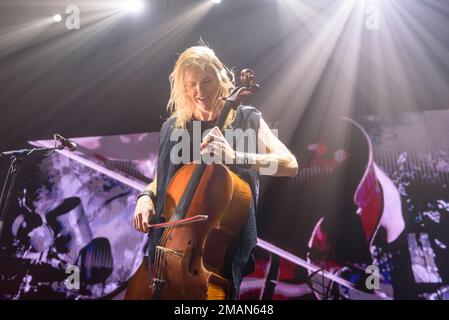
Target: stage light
(216, 1)
(132, 5)
(57, 18)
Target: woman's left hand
(216, 145)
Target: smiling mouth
(202, 99)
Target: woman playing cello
(199, 84)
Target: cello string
(155, 265)
(160, 255)
(160, 260)
(160, 266)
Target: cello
(205, 208)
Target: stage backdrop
(75, 209)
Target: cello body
(190, 258)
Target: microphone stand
(16, 159)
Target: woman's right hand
(143, 213)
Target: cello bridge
(170, 252)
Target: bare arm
(276, 160)
(152, 186)
(144, 209)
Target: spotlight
(216, 1)
(57, 18)
(132, 5)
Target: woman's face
(201, 88)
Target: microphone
(66, 142)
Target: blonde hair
(202, 57)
